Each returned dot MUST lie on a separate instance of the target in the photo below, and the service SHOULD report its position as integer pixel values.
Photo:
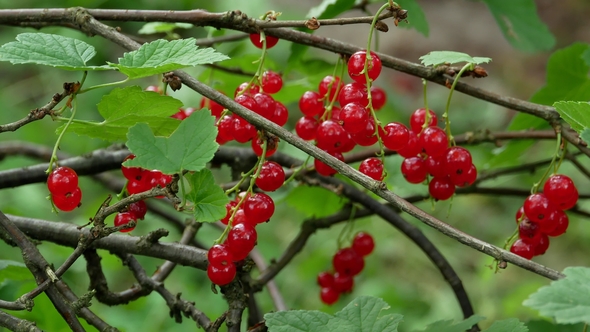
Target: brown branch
(17, 324)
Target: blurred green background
(397, 271)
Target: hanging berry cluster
(347, 263)
(542, 216)
(62, 183)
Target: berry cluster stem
(551, 168)
(425, 96)
(53, 158)
(328, 112)
(468, 66)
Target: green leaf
(162, 27)
(315, 201)
(545, 326)
(507, 325)
(451, 326)
(586, 57)
(521, 25)
(416, 17)
(11, 270)
(208, 198)
(189, 147)
(162, 56)
(361, 315)
(330, 8)
(49, 50)
(364, 311)
(122, 108)
(585, 135)
(566, 300)
(577, 114)
(436, 58)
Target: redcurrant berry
(348, 262)
(441, 188)
(329, 295)
(68, 201)
(372, 167)
(62, 180)
(270, 40)
(418, 118)
(241, 239)
(123, 218)
(271, 176)
(311, 103)
(259, 207)
(414, 170)
(221, 275)
(363, 243)
(356, 67)
(271, 82)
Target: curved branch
(17, 324)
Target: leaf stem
(550, 169)
(53, 158)
(104, 85)
(468, 66)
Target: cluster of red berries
(542, 215)
(63, 186)
(347, 263)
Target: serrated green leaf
(297, 320)
(577, 114)
(585, 135)
(330, 8)
(507, 325)
(520, 24)
(122, 108)
(162, 27)
(162, 56)
(315, 201)
(11, 270)
(49, 50)
(566, 300)
(363, 313)
(451, 326)
(416, 17)
(189, 147)
(436, 58)
(208, 198)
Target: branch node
(83, 301)
(152, 237)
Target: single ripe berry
(331, 136)
(123, 218)
(537, 208)
(353, 92)
(243, 89)
(457, 161)
(367, 136)
(561, 191)
(215, 108)
(258, 145)
(265, 105)
(378, 97)
(271, 176)
(436, 167)
(324, 169)
(414, 170)
(441, 188)
(434, 141)
(306, 128)
(219, 255)
(464, 179)
(271, 82)
(329, 295)
(418, 118)
(62, 180)
(281, 114)
(180, 115)
(395, 136)
(243, 131)
(372, 167)
(130, 173)
(560, 225)
(138, 209)
(542, 245)
(348, 262)
(412, 148)
(225, 128)
(354, 118)
(68, 201)
(140, 183)
(356, 66)
(529, 232)
(270, 40)
(311, 103)
(343, 283)
(241, 239)
(228, 211)
(325, 279)
(329, 82)
(363, 243)
(522, 249)
(259, 207)
(221, 275)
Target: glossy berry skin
(542, 245)
(219, 255)
(441, 188)
(412, 148)
(353, 92)
(414, 170)
(436, 166)
(221, 275)
(123, 218)
(130, 173)
(324, 169)
(335, 82)
(228, 208)
(138, 209)
(354, 118)
(356, 66)
(225, 128)
(241, 239)
(257, 147)
(62, 180)
(395, 136)
(215, 108)
(329, 295)
(434, 141)
(141, 185)
(243, 130)
(306, 128)
(348, 262)
(529, 232)
(271, 82)
(561, 225)
(457, 161)
(281, 114)
(363, 243)
(331, 136)
(561, 191)
(418, 118)
(271, 176)
(378, 97)
(464, 179)
(265, 105)
(270, 40)
(373, 168)
(68, 201)
(311, 103)
(343, 283)
(259, 207)
(538, 208)
(522, 249)
(367, 136)
(241, 90)
(325, 279)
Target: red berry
(241, 90)
(140, 183)
(281, 114)
(561, 191)
(325, 83)
(325, 279)
(363, 243)
(379, 97)
(259, 207)
(372, 167)
(329, 295)
(464, 179)
(331, 136)
(367, 136)
(434, 141)
(138, 209)
(347, 261)
(219, 255)
(395, 136)
(343, 283)
(529, 232)
(311, 103)
(306, 128)
(560, 226)
(270, 40)
(414, 170)
(271, 147)
(243, 130)
(241, 239)
(131, 173)
(225, 128)
(271, 176)
(542, 245)
(228, 208)
(221, 275)
(418, 118)
(441, 188)
(457, 161)
(436, 166)
(123, 218)
(538, 208)
(356, 66)
(266, 105)
(324, 169)
(522, 249)
(354, 118)
(353, 92)
(68, 201)
(62, 180)
(271, 82)
(154, 88)
(215, 108)
(412, 149)
(180, 115)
